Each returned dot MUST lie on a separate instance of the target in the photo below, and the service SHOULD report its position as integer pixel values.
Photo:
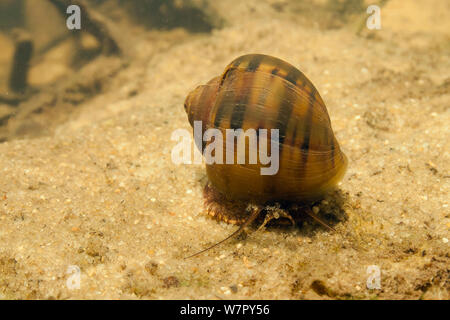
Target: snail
(263, 92)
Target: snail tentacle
(255, 212)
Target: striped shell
(263, 92)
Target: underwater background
(88, 188)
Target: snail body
(263, 92)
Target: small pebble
(171, 281)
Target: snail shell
(262, 92)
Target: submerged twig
(21, 62)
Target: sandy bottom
(101, 193)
